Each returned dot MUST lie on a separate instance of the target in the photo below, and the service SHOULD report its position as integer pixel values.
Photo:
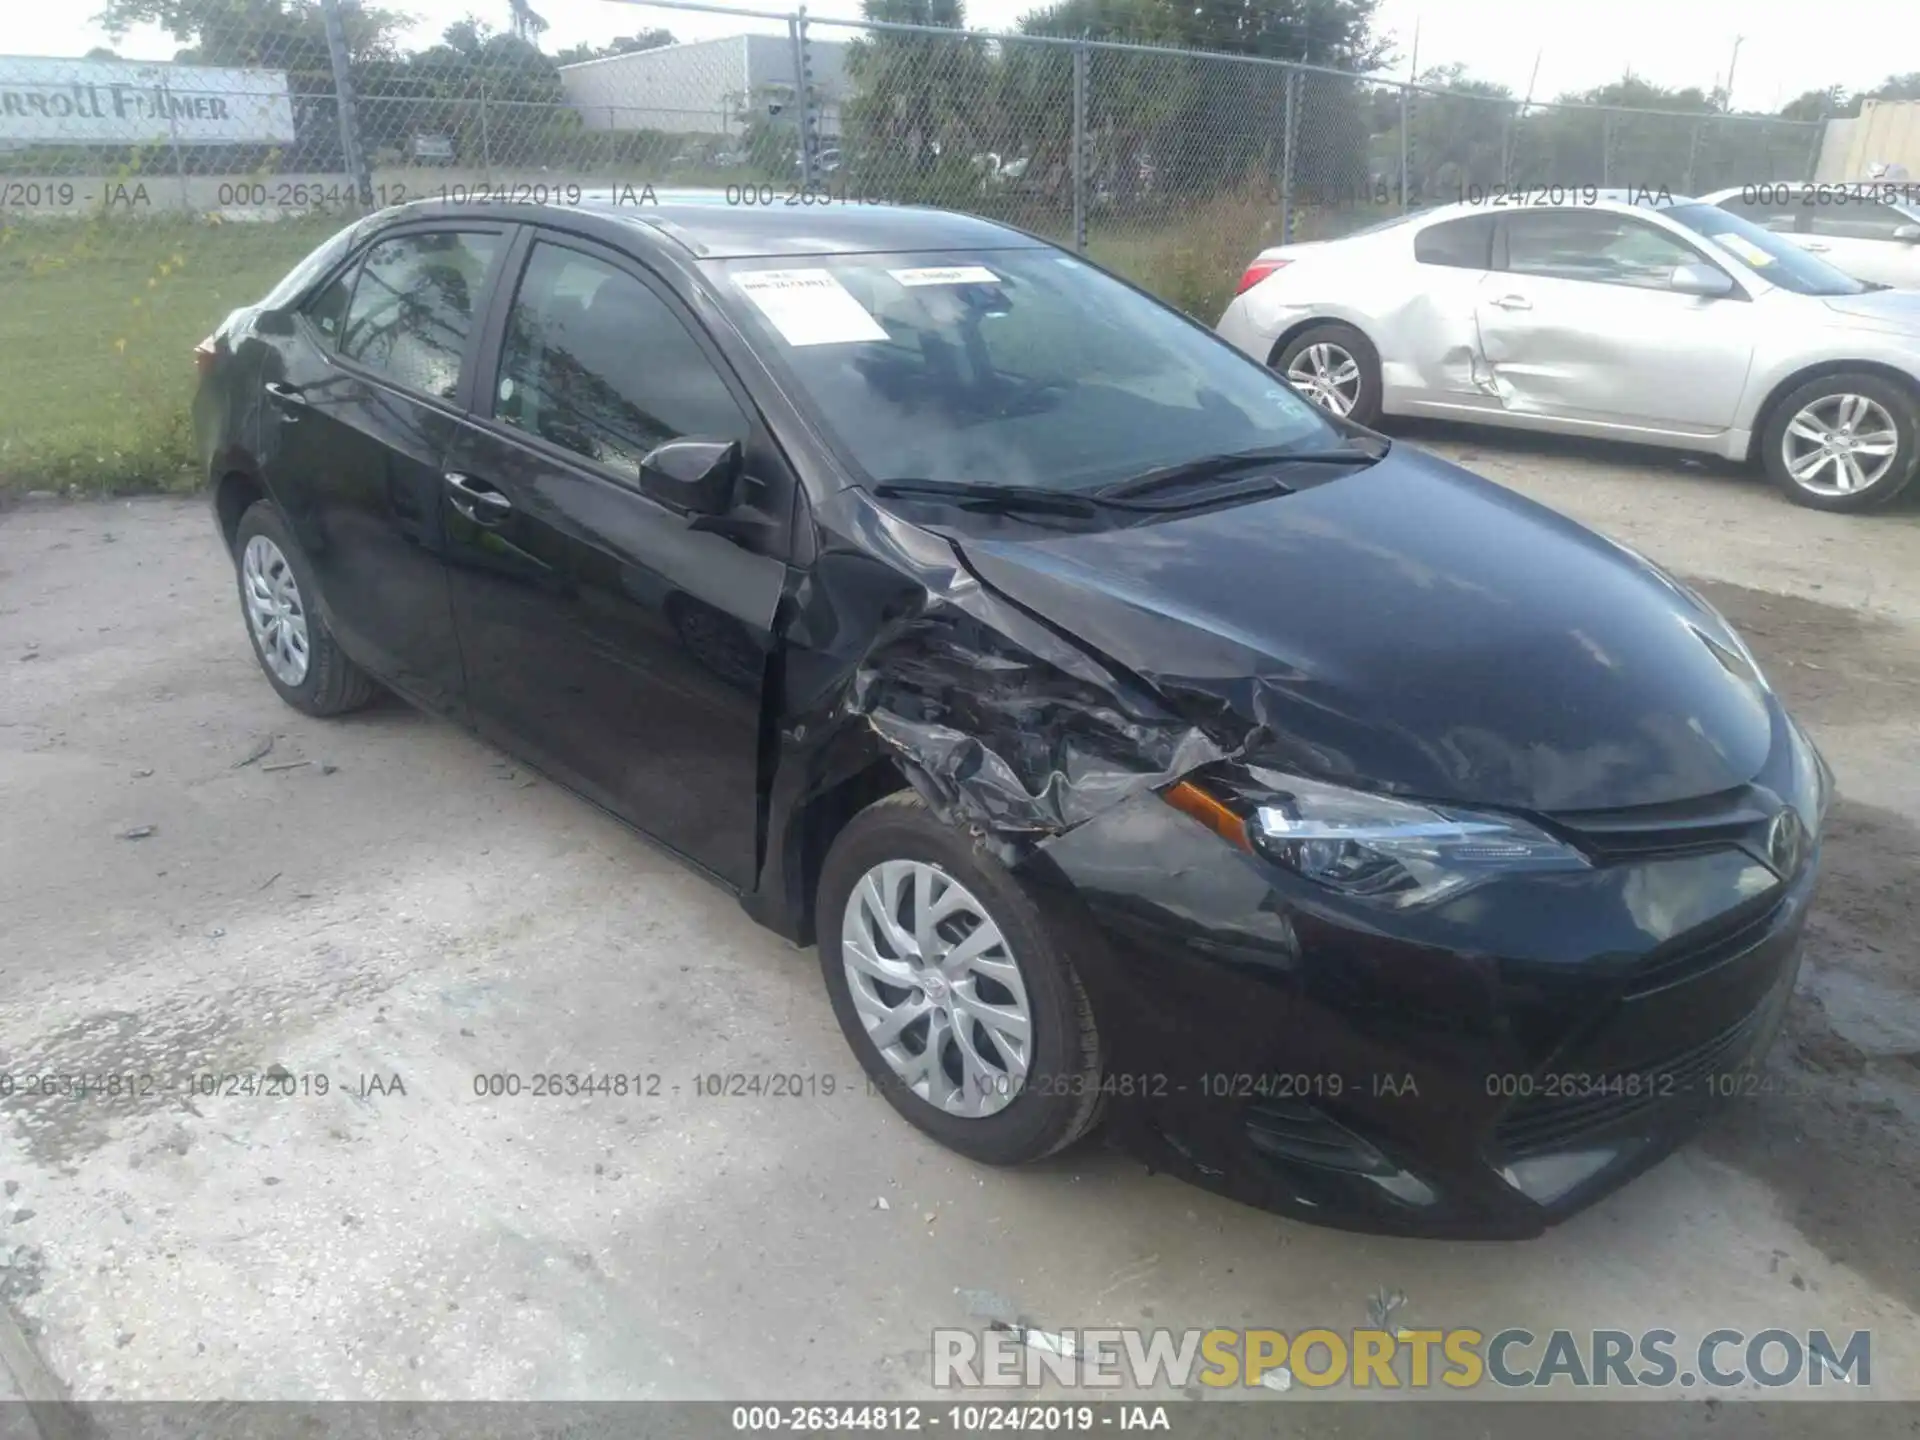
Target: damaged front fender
(1004, 725)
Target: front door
(360, 406)
(1579, 324)
(616, 644)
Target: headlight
(1372, 846)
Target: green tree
(916, 112)
(283, 34)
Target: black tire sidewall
(263, 517)
(1366, 405)
(1898, 402)
(1062, 1084)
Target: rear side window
(1465, 244)
(328, 309)
(413, 307)
(596, 363)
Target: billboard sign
(125, 102)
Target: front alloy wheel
(1844, 442)
(1840, 444)
(937, 987)
(958, 986)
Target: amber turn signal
(1189, 799)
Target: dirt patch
(1828, 662)
(1835, 1126)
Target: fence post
(1287, 122)
(1813, 154)
(1693, 150)
(1606, 147)
(1506, 150)
(802, 93)
(179, 158)
(1405, 106)
(1080, 147)
(486, 133)
(350, 152)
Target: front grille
(1551, 1121)
(1711, 822)
(1706, 947)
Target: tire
(1875, 406)
(1059, 1099)
(1338, 341)
(328, 683)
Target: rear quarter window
(1463, 244)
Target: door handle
(290, 398)
(477, 500)
(1816, 247)
(1514, 302)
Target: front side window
(1846, 217)
(1594, 245)
(413, 307)
(596, 363)
(996, 367)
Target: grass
(100, 318)
(96, 339)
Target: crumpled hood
(1412, 628)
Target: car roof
(708, 227)
(1618, 202)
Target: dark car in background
(1138, 742)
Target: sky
(1784, 52)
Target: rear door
(363, 388)
(618, 645)
(1577, 322)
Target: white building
(702, 87)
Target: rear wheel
(1337, 368)
(1843, 442)
(956, 987)
(296, 650)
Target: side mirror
(692, 477)
(1706, 281)
(1908, 233)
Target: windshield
(1006, 367)
(1765, 253)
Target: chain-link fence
(139, 202)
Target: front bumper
(1480, 1070)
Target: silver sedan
(1662, 321)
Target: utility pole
(1738, 40)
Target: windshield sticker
(947, 275)
(1746, 250)
(809, 307)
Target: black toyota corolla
(1139, 744)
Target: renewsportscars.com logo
(1372, 1359)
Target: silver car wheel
(1839, 445)
(1327, 375)
(937, 987)
(275, 612)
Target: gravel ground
(387, 906)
